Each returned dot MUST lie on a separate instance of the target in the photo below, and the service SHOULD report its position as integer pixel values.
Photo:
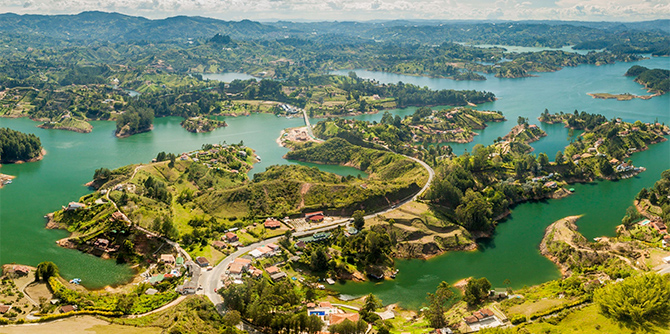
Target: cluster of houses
(243, 265)
(210, 158)
(659, 227)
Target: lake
(45, 186)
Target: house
(323, 311)
(202, 261)
(300, 244)
(218, 244)
(151, 291)
(272, 270)
(68, 308)
(551, 184)
(314, 216)
(188, 288)
(101, 244)
(273, 247)
(168, 259)
(278, 276)
(339, 317)
(21, 270)
(666, 241)
(75, 206)
(119, 217)
(350, 231)
(483, 318)
(498, 293)
(5, 308)
(235, 269)
(660, 227)
(231, 237)
(272, 223)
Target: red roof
(272, 223)
(337, 318)
(316, 217)
(307, 215)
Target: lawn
(587, 320)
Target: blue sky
(341, 10)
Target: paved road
(210, 280)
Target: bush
(517, 319)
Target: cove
(44, 186)
(513, 251)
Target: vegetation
(134, 120)
(46, 270)
(576, 120)
(476, 291)
(656, 80)
(195, 314)
(272, 307)
(18, 146)
(638, 301)
(655, 200)
(202, 124)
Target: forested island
(655, 80)
(17, 146)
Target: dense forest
(18, 146)
(655, 80)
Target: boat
(75, 281)
(572, 190)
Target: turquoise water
(44, 186)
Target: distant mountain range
(114, 27)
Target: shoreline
(39, 157)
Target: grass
(77, 325)
(213, 255)
(587, 320)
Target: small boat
(75, 281)
(572, 190)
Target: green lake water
(44, 186)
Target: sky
(359, 10)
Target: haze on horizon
(359, 10)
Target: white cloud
(315, 10)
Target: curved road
(210, 281)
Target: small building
(75, 206)
(272, 270)
(179, 261)
(188, 288)
(231, 237)
(278, 276)
(218, 244)
(168, 259)
(272, 223)
(119, 216)
(337, 318)
(273, 246)
(151, 291)
(202, 261)
(660, 227)
(551, 184)
(5, 308)
(316, 218)
(101, 244)
(300, 244)
(68, 308)
(21, 270)
(312, 214)
(666, 241)
(483, 318)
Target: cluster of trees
(576, 120)
(638, 301)
(134, 120)
(659, 195)
(656, 80)
(15, 146)
(157, 189)
(46, 270)
(476, 189)
(277, 308)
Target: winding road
(210, 280)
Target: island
(19, 147)
(202, 124)
(656, 81)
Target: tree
(522, 121)
(232, 318)
(359, 220)
(438, 305)
(372, 303)
(605, 168)
(349, 327)
(476, 291)
(638, 301)
(559, 158)
(313, 324)
(45, 270)
(543, 160)
(319, 260)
